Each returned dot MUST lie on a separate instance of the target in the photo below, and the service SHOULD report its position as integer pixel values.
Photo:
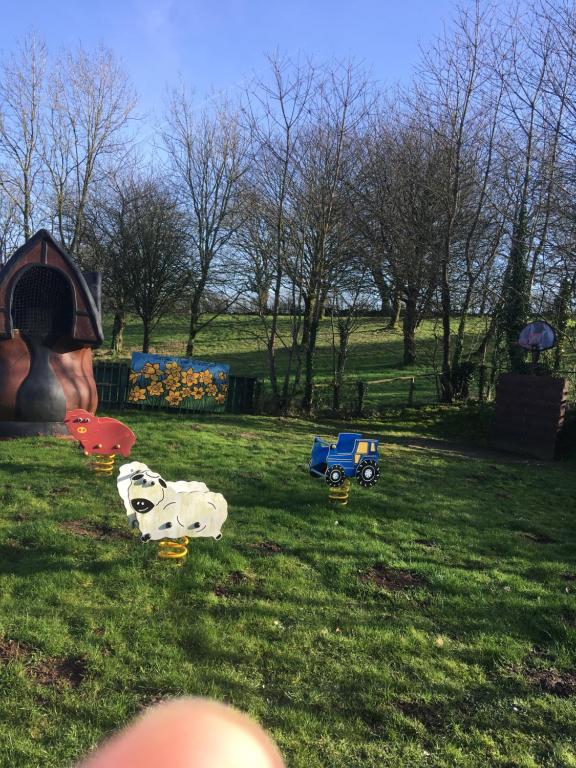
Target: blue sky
(217, 45)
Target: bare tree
(453, 95)
(107, 241)
(255, 241)
(21, 101)
(10, 232)
(397, 213)
(327, 158)
(90, 105)
(208, 154)
(349, 297)
(138, 238)
(277, 113)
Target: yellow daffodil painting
(177, 382)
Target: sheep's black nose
(145, 537)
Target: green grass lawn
(432, 622)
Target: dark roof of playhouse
(42, 250)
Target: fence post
(411, 388)
(361, 388)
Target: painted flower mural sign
(177, 382)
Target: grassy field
(376, 353)
(430, 623)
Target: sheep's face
(146, 491)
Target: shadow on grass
(22, 560)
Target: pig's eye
(139, 476)
(77, 421)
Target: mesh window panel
(42, 303)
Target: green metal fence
(112, 382)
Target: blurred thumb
(189, 733)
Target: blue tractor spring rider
(353, 455)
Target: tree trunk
(516, 296)
(26, 211)
(459, 342)
(446, 377)
(409, 330)
(561, 320)
(194, 319)
(146, 339)
(263, 295)
(309, 363)
(343, 342)
(306, 324)
(395, 310)
(383, 290)
(117, 341)
(271, 340)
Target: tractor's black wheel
(335, 476)
(367, 473)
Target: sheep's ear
(162, 483)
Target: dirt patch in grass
(60, 491)
(67, 673)
(392, 579)
(151, 699)
(538, 538)
(232, 580)
(237, 577)
(254, 476)
(250, 436)
(568, 576)
(562, 684)
(52, 671)
(10, 650)
(426, 713)
(267, 547)
(82, 528)
(426, 543)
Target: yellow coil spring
(170, 549)
(103, 464)
(340, 495)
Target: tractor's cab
(353, 455)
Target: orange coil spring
(103, 464)
(340, 495)
(171, 549)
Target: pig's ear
(162, 483)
